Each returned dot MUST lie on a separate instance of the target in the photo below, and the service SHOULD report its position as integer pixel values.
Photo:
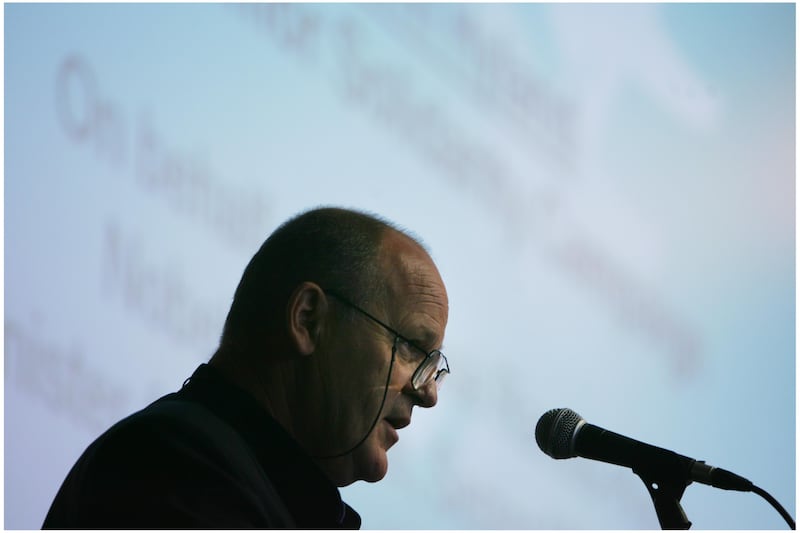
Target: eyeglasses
(433, 368)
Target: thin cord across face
(377, 416)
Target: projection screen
(608, 190)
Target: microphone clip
(666, 487)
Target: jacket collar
(312, 499)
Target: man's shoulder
(172, 414)
(173, 425)
(179, 463)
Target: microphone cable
(778, 507)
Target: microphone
(562, 434)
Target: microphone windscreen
(555, 431)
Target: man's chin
(373, 467)
(369, 478)
(361, 465)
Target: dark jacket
(207, 456)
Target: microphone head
(555, 431)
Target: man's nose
(427, 395)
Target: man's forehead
(409, 270)
(417, 294)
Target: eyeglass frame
(428, 355)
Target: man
(331, 340)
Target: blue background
(608, 190)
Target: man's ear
(306, 312)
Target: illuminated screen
(608, 191)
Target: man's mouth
(394, 425)
(398, 422)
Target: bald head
(338, 249)
(337, 372)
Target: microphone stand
(667, 478)
(666, 481)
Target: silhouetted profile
(332, 338)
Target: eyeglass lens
(432, 368)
